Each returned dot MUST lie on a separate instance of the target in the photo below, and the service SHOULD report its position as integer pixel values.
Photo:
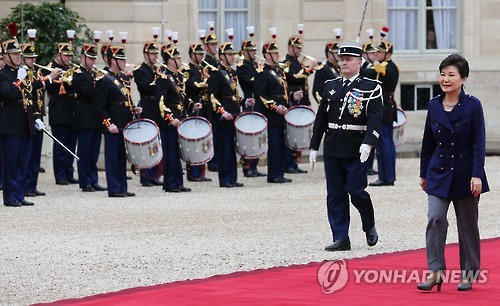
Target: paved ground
(75, 244)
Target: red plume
(12, 27)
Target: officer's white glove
(21, 73)
(364, 151)
(312, 158)
(39, 124)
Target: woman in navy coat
(452, 170)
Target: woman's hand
(476, 185)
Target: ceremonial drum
(142, 143)
(399, 128)
(299, 125)
(195, 140)
(251, 134)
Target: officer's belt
(348, 127)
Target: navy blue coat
(453, 148)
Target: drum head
(300, 116)
(140, 131)
(194, 128)
(250, 123)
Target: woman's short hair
(458, 61)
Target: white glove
(312, 157)
(39, 124)
(21, 73)
(364, 151)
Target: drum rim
(194, 139)
(198, 163)
(250, 113)
(296, 107)
(144, 142)
(145, 167)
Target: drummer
(196, 90)
(115, 108)
(223, 89)
(246, 72)
(170, 95)
(144, 77)
(271, 93)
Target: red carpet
(298, 285)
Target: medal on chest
(354, 103)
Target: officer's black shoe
(130, 194)
(27, 203)
(39, 193)
(62, 182)
(339, 245)
(184, 189)
(41, 170)
(300, 170)
(117, 195)
(260, 173)
(238, 184)
(371, 236)
(148, 184)
(280, 180)
(88, 188)
(98, 187)
(173, 190)
(73, 181)
(157, 183)
(13, 204)
(371, 172)
(227, 185)
(250, 173)
(380, 182)
(291, 171)
(29, 194)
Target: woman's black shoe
(433, 280)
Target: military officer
(170, 97)
(386, 72)
(19, 117)
(196, 91)
(350, 117)
(115, 109)
(144, 77)
(62, 104)
(246, 72)
(87, 124)
(272, 95)
(223, 90)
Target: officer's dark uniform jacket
(84, 85)
(18, 110)
(113, 99)
(388, 74)
(453, 148)
(223, 89)
(169, 92)
(144, 77)
(196, 89)
(323, 73)
(246, 72)
(61, 106)
(348, 122)
(212, 61)
(296, 76)
(271, 92)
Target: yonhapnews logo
(332, 276)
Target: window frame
(422, 10)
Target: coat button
(441, 155)
(452, 143)
(442, 168)
(453, 156)
(440, 144)
(439, 131)
(451, 169)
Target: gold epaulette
(100, 76)
(319, 67)
(318, 97)
(259, 69)
(239, 64)
(137, 67)
(203, 84)
(300, 74)
(215, 102)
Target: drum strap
(281, 81)
(123, 89)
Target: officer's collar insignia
(332, 92)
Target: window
(421, 26)
(416, 97)
(226, 14)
